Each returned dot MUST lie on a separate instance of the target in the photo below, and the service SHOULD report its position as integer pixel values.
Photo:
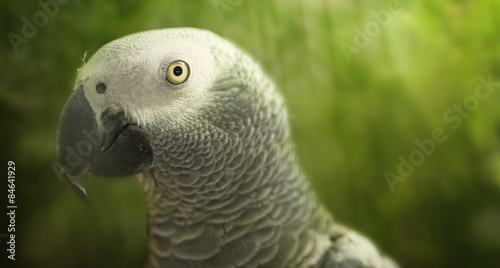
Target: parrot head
(208, 133)
(145, 85)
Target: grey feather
(224, 188)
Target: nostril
(100, 88)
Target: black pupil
(177, 70)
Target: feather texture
(227, 191)
(224, 188)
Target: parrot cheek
(114, 148)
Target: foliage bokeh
(351, 120)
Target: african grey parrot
(207, 134)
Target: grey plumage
(222, 184)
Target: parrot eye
(177, 72)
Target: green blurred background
(352, 118)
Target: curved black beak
(114, 148)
